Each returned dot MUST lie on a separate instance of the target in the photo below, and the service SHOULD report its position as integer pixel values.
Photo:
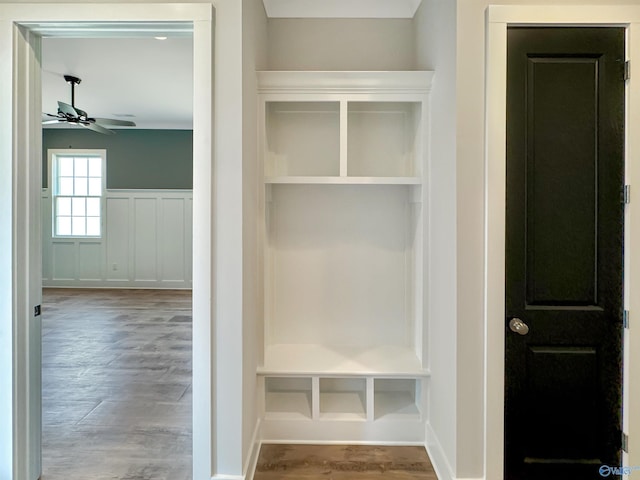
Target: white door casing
(497, 20)
(20, 164)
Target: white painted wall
(340, 44)
(435, 27)
(254, 56)
(146, 243)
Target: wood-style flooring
(343, 462)
(116, 384)
(116, 388)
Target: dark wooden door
(564, 239)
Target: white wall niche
(344, 249)
(397, 398)
(384, 139)
(343, 399)
(302, 138)
(342, 277)
(288, 398)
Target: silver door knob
(518, 326)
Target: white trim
(437, 456)
(168, 256)
(11, 87)
(344, 82)
(297, 441)
(498, 17)
(252, 460)
(563, 15)
(52, 154)
(123, 15)
(26, 159)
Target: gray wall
(340, 44)
(151, 159)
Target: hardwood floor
(116, 384)
(343, 462)
(116, 388)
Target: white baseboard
(437, 456)
(252, 459)
(118, 285)
(341, 442)
(432, 445)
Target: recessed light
(160, 38)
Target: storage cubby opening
(396, 398)
(341, 266)
(288, 397)
(302, 139)
(343, 399)
(383, 139)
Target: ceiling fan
(74, 116)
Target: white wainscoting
(146, 243)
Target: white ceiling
(341, 8)
(144, 77)
(152, 80)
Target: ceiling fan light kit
(75, 116)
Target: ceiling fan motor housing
(72, 80)
(75, 116)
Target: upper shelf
(341, 8)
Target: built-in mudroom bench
(343, 156)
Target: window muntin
(78, 180)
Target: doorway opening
(21, 33)
(116, 334)
(564, 250)
(499, 19)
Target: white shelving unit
(343, 155)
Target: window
(77, 185)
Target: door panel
(563, 383)
(560, 202)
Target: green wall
(151, 159)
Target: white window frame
(52, 155)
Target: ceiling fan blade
(81, 113)
(96, 128)
(113, 121)
(50, 122)
(67, 109)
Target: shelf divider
(315, 398)
(370, 399)
(344, 139)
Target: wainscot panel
(146, 243)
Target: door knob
(518, 326)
